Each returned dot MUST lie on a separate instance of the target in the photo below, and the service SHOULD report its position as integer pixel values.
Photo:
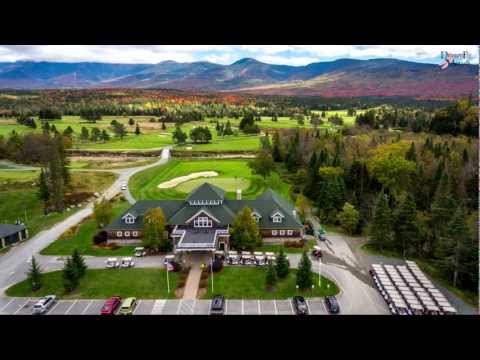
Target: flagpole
(211, 270)
(168, 281)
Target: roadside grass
(427, 267)
(102, 283)
(144, 185)
(82, 238)
(108, 163)
(19, 200)
(249, 283)
(288, 250)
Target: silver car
(42, 305)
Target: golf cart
(317, 252)
(232, 259)
(168, 259)
(321, 235)
(220, 255)
(247, 259)
(112, 263)
(270, 257)
(127, 262)
(139, 252)
(259, 258)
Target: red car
(111, 305)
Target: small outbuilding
(11, 234)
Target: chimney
(294, 212)
(239, 194)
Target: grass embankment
(249, 283)
(144, 185)
(81, 238)
(103, 283)
(288, 250)
(428, 268)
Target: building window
(256, 218)
(119, 234)
(202, 221)
(282, 232)
(135, 233)
(290, 232)
(274, 232)
(277, 219)
(129, 220)
(127, 233)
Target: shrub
(100, 238)
(216, 266)
(203, 283)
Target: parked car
(317, 252)
(42, 305)
(123, 185)
(128, 306)
(218, 305)
(332, 304)
(139, 252)
(300, 305)
(127, 262)
(111, 305)
(112, 263)
(321, 237)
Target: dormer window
(277, 219)
(256, 216)
(129, 219)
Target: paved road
(23, 306)
(13, 264)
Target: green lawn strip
(249, 283)
(82, 239)
(289, 250)
(427, 267)
(144, 185)
(103, 283)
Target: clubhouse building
(202, 221)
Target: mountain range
(338, 78)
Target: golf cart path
(13, 264)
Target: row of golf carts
(114, 263)
(246, 257)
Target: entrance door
(221, 246)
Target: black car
(332, 305)
(218, 305)
(300, 305)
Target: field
(144, 185)
(154, 137)
(18, 198)
(108, 162)
(103, 283)
(81, 239)
(249, 283)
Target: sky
(296, 55)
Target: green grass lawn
(18, 198)
(144, 185)
(82, 239)
(289, 250)
(103, 283)
(249, 283)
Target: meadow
(144, 185)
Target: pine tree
(381, 230)
(34, 275)
(441, 209)
(56, 180)
(43, 192)
(137, 129)
(411, 154)
(283, 265)
(276, 153)
(105, 136)
(465, 156)
(406, 230)
(70, 276)
(84, 134)
(304, 273)
(163, 125)
(270, 277)
(79, 263)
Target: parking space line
(275, 305)
(86, 308)
(259, 308)
(21, 307)
(71, 306)
(54, 306)
(137, 306)
(226, 306)
(179, 306)
(291, 307)
(7, 304)
(323, 306)
(243, 307)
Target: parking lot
(23, 306)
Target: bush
(203, 283)
(204, 275)
(100, 238)
(216, 266)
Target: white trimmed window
(135, 233)
(277, 219)
(274, 232)
(289, 232)
(282, 232)
(127, 233)
(119, 234)
(202, 221)
(129, 219)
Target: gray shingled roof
(207, 191)
(10, 229)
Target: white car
(42, 305)
(112, 263)
(123, 187)
(127, 262)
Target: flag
(169, 266)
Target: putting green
(227, 184)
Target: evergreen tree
(465, 156)
(283, 265)
(164, 127)
(56, 180)
(406, 230)
(70, 275)
(348, 218)
(79, 263)
(43, 191)
(441, 209)
(178, 135)
(34, 275)
(105, 136)
(137, 129)
(84, 134)
(270, 277)
(276, 153)
(381, 230)
(411, 154)
(304, 273)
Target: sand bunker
(181, 179)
